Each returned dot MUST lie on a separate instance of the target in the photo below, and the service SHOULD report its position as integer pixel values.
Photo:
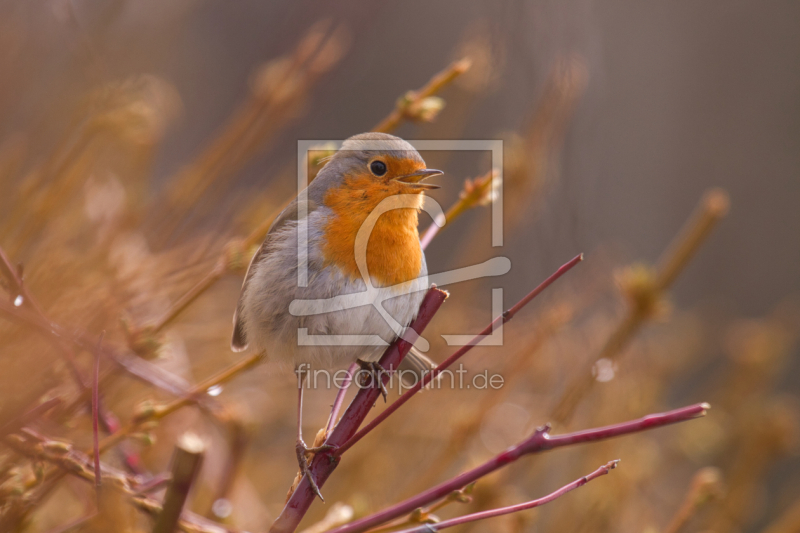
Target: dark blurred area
(141, 141)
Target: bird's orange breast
(393, 252)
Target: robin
(372, 175)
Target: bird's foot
(302, 461)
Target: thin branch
(220, 267)
(483, 515)
(324, 463)
(423, 515)
(505, 317)
(23, 302)
(706, 484)
(22, 297)
(186, 463)
(539, 442)
(160, 412)
(409, 106)
(339, 401)
(96, 417)
(134, 365)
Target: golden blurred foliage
(94, 249)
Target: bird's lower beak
(415, 179)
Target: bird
(374, 181)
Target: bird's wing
(239, 339)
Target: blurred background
(144, 146)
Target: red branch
(474, 517)
(339, 401)
(539, 442)
(505, 317)
(324, 463)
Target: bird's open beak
(415, 179)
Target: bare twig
(186, 463)
(339, 401)
(22, 297)
(410, 105)
(96, 417)
(706, 484)
(159, 412)
(539, 442)
(474, 517)
(424, 515)
(134, 365)
(279, 90)
(505, 317)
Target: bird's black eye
(378, 168)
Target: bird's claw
(301, 449)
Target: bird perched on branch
(341, 272)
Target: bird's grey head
(380, 156)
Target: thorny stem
(712, 208)
(539, 442)
(505, 317)
(407, 104)
(324, 463)
(474, 517)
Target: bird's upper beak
(415, 179)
